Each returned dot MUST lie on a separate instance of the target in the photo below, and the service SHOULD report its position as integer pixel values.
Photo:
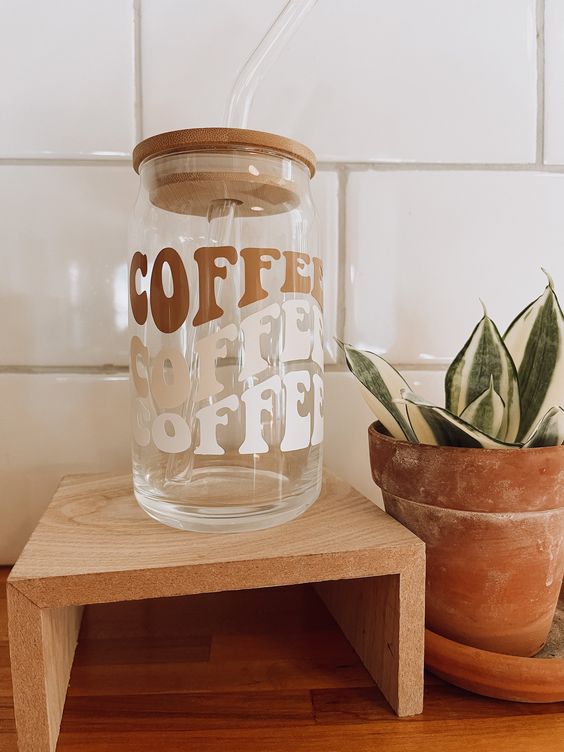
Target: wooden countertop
(260, 671)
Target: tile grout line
(540, 32)
(44, 370)
(77, 160)
(359, 166)
(342, 181)
(137, 73)
(111, 370)
(427, 367)
(97, 160)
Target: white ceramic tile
(55, 425)
(191, 54)
(442, 80)
(66, 77)
(347, 418)
(63, 254)
(554, 82)
(423, 247)
(325, 190)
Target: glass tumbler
(226, 349)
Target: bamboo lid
(194, 192)
(219, 139)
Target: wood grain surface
(259, 671)
(94, 544)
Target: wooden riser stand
(94, 545)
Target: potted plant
(481, 480)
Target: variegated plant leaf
(485, 356)
(437, 426)
(486, 412)
(535, 340)
(549, 431)
(380, 384)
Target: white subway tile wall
(64, 282)
(53, 425)
(440, 130)
(424, 247)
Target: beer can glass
(226, 330)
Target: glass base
(207, 509)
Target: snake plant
(501, 392)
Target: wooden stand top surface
(94, 544)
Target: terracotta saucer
(506, 677)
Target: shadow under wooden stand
(94, 545)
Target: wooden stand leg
(42, 645)
(388, 640)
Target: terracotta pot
(493, 522)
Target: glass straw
(262, 58)
(221, 214)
